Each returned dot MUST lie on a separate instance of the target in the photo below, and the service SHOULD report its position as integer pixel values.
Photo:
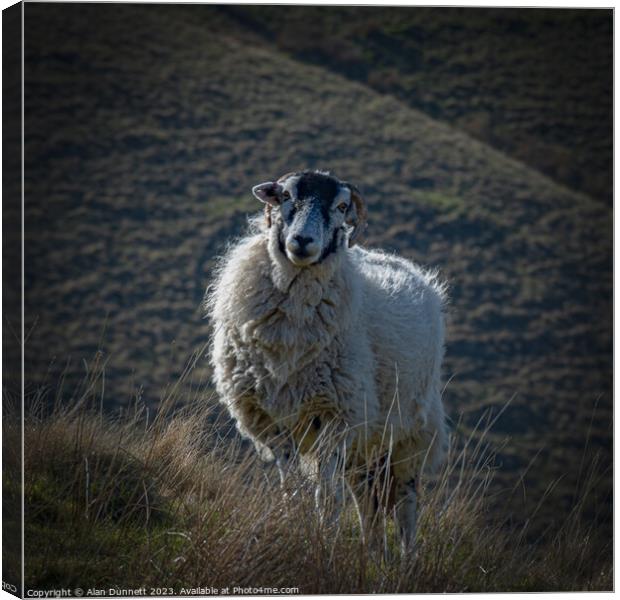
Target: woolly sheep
(329, 351)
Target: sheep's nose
(302, 242)
(301, 247)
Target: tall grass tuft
(174, 500)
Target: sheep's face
(315, 213)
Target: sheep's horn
(362, 213)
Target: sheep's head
(314, 214)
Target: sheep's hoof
(406, 552)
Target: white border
(455, 3)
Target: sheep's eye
(286, 195)
(342, 207)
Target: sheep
(328, 351)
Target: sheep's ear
(356, 215)
(269, 192)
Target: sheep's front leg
(284, 451)
(272, 441)
(329, 493)
(406, 512)
(334, 464)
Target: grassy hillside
(146, 127)
(536, 84)
(167, 504)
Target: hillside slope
(534, 83)
(146, 126)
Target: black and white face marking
(313, 210)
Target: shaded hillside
(536, 84)
(146, 127)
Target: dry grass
(172, 501)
